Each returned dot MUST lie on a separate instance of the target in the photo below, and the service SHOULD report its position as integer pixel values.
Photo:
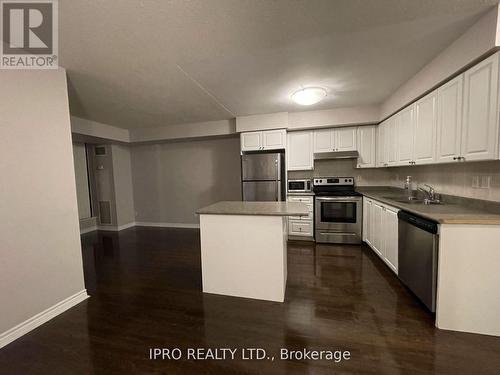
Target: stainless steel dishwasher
(417, 256)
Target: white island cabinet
(243, 248)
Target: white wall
(453, 179)
(98, 130)
(334, 117)
(40, 253)
(172, 180)
(475, 42)
(179, 131)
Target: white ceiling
(156, 62)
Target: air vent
(100, 150)
(105, 212)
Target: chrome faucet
(430, 195)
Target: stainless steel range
(337, 210)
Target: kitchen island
(243, 248)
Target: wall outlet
(485, 182)
(481, 182)
(475, 182)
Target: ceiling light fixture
(309, 95)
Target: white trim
(116, 228)
(89, 229)
(166, 225)
(35, 321)
(126, 226)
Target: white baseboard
(116, 228)
(166, 225)
(30, 324)
(88, 230)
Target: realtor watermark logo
(29, 34)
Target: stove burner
(334, 186)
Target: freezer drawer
(261, 190)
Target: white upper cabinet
(251, 141)
(345, 139)
(335, 139)
(300, 151)
(323, 140)
(381, 149)
(391, 141)
(274, 139)
(405, 134)
(457, 122)
(263, 140)
(425, 129)
(449, 120)
(480, 103)
(366, 146)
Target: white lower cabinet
(380, 230)
(302, 226)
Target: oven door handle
(336, 199)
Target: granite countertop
(255, 208)
(453, 210)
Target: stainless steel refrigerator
(263, 176)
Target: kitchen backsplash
(346, 167)
(456, 178)
(452, 179)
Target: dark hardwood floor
(145, 287)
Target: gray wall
(82, 181)
(105, 186)
(122, 177)
(172, 180)
(40, 253)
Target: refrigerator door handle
(277, 179)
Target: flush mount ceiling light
(309, 95)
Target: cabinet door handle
(455, 158)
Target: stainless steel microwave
(299, 186)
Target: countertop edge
(238, 208)
(471, 221)
(254, 214)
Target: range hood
(336, 155)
